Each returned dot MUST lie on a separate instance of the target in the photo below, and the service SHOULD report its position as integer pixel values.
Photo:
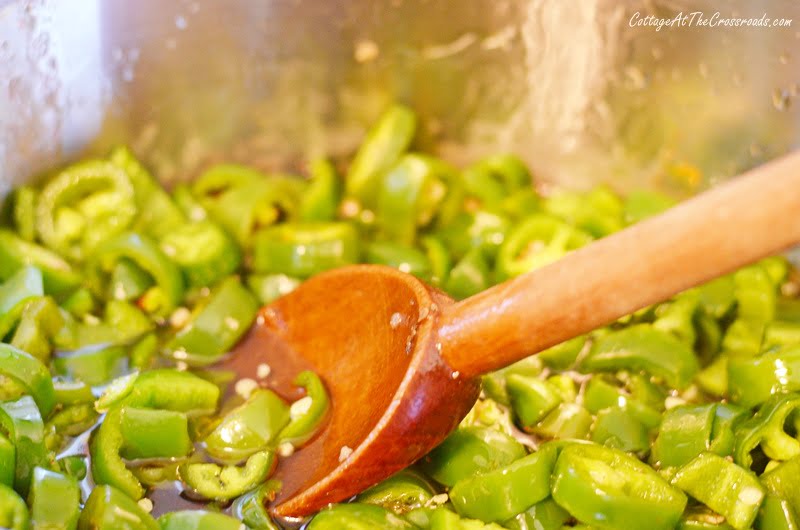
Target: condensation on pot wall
(570, 86)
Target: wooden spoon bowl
(370, 332)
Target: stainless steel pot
(576, 87)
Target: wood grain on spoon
(398, 390)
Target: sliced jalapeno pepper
(107, 465)
(144, 253)
(469, 276)
(270, 287)
(83, 206)
(216, 482)
(782, 482)
(54, 500)
(8, 459)
(400, 493)
(408, 259)
(722, 486)
(29, 372)
(531, 398)
(198, 520)
(685, 433)
(108, 508)
(157, 215)
(23, 423)
(753, 380)
(307, 414)
(58, 276)
(188, 392)
(409, 195)
(217, 325)
(535, 242)
(766, 429)
(468, 451)
(321, 199)
(383, 145)
(303, 250)
(608, 488)
(357, 516)
(618, 428)
(148, 433)
(204, 252)
(248, 428)
(250, 508)
(13, 512)
(500, 494)
(640, 347)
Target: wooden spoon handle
(734, 224)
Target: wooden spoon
(402, 361)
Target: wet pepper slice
(107, 508)
(608, 488)
(722, 486)
(471, 450)
(54, 500)
(357, 516)
(641, 347)
(500, 494)
(83, 206)
(216, 482)
(13, 512)
(308, 413)
(766, 429)
(249, 428)
(197, 520)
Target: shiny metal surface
(570, 86)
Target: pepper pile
(117, 297)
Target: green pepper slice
(22, 422)
(357, 516)
(385, 142)
(608, 488)
(145, 253)
(8, 460)
(470, 275)
(249, 428)
(468, 451)
(107, 465)
(54, 500)
(307, 414)
(405, 258)
(685, 433)
(188, 392)
(108, 508)
(31, 374)
(616, 427)
(766, 429)
(495, 177)
(270, 287)
(20, 287)
(216, 482)
(321, 199)
(544, 515)
(500, 494)
(753, 380)
(409, 195)
(535, 242)
(204, 252)
(303, 250)
(781, 481)
(641, 347)
(250, 508)
(148, 433)
(776, 514)
(39, 323)
(217, 325)
(722, 486)
(13, 512)
(58, 276)
(157, 215)
(531, 398)
(24, 212)
(198, 520)
(83, 206)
